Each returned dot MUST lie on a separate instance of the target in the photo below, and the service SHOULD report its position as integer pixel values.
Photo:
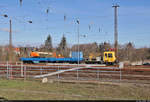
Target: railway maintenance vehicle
(108, 57)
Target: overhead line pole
(78, 49)
(78, 46)
(116, 30)
(10, 55)
(10, 42)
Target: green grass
(35, 90)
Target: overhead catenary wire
(20, 2)
(64, 17)
(99, 29)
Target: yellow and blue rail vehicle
(109, 57)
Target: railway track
(94, 72)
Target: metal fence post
(7, 70)
(58, 73)
(21, 69)
(41, 71)
(121, 65)
(120, 74)
(11, 72)
(24, 72)
(97, 74)
(77, 74)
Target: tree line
(126, 52)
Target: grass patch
(35, 90)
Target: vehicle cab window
(105, 55)
(109, 55)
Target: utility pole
(78, 49)
(116, 30)
(78, 42)
(10, 42)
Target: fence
(19, 70)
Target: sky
(133, 21)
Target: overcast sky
(96, 21)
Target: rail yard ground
(99, 82)
(35, 90)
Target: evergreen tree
(63, 43)
(48, 44)
(62, 48)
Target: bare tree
(87, 48)
(142, 54)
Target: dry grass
(35, 90)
